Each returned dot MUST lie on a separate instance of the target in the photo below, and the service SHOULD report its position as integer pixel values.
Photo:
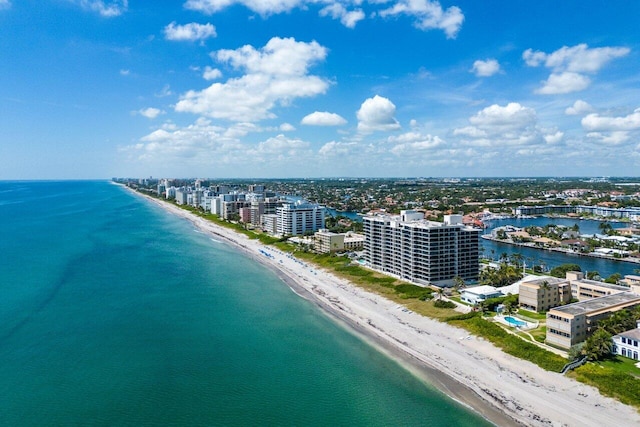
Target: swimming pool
(514, 322)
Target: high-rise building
(299, 218)
(420, 251)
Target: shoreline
(504, 390)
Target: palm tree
(440, 292)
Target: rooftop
(634, 334)
(597, 304)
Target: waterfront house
(627, 343)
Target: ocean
(114, 312)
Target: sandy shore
(502, 388)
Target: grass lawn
(622, 364)
(532, 314)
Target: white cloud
(569, 64)
(579, 107)
(598, 123)
(287, 127)
(554, 138)
(323, 118)
(5, 4)
(282, 146)
(470, 131)
(335, 149)
(348, 18)
(377, 114)
(106, 9)
(509, 125)
(125, 72)
(262, 7)
(610, 138)
(275, 75)
(429, 15)
(413, 142)
(211, 73)
(150, 113)
(189, 32)
(564, 83)
(485, 68)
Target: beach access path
(503, 389)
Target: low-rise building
(571, 324)
(542, 293)
(326, 241)
(627, 343)
(478, 294)
(584, 289)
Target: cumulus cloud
(413, 142)
(566, 82)
(211, 73)
(348, 18)
(282, 145)
(596, 122)
(150, 113)
(496, 125)
(485, 68)
(337, 148)
(275, 75)
(106, 9)
(323, 118)
(287, 127)
(264, 8)
(377, 114)
(554, 138)
(189, 32)
(579, 107)
(429, 15)
(569, 64)
(612, 130)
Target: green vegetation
(443, 304)
(503, 276)
(610, 381)
(511, 344)
(561, 270)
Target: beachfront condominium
(299, 218)
(571, 324)
(542, 293)
(420, 251)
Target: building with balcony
(420, 251)
(299, 218)
(542, 293)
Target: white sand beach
(502, 388)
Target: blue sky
(291, 88)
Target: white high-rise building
(299, 218)
(421, 251)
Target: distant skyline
(288, 88)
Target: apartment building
(571, 324)
(584, 289)
(421, 251)
(542, 293)
(326, 241)
(299, 218)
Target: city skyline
(287, 88)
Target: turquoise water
(113, 312)
(515, 322)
